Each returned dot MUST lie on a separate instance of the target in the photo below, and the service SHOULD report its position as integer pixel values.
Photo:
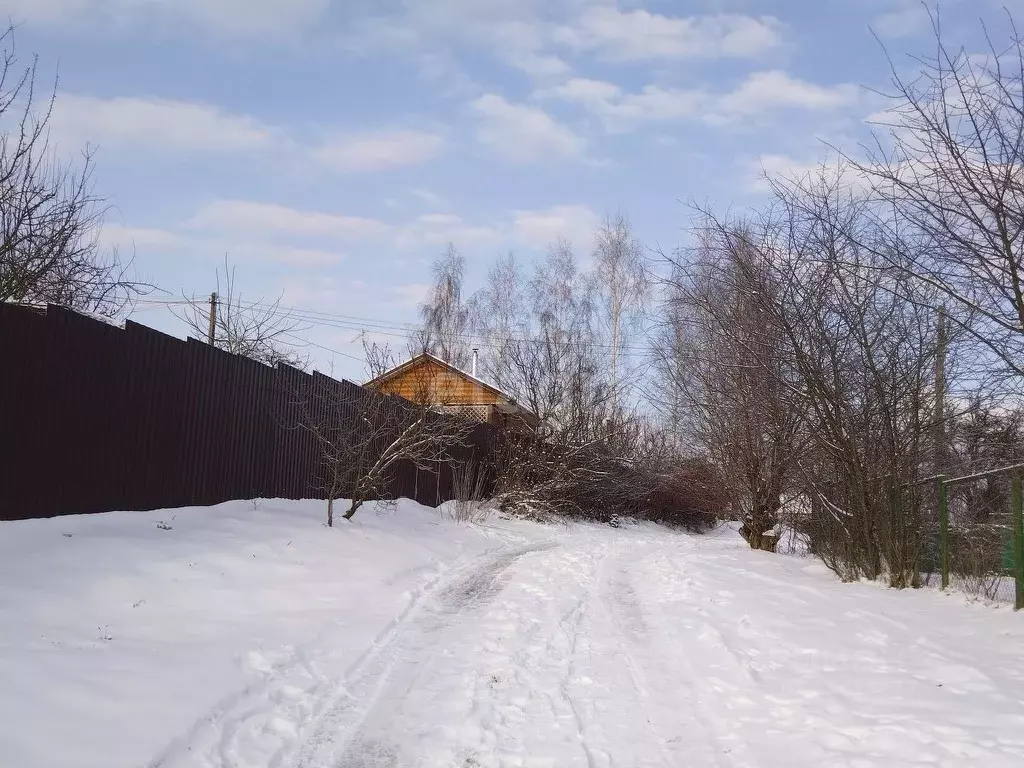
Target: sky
(331, 149)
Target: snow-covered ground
(242, 636)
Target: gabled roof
(427, 357)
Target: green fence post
(1018, 542)
(944, 531)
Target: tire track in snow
(337, 738)
(620, 601)
(529, 694)
(638, 637)
(571, 625)
(266, 719)
(717, 701)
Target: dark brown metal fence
(95, 418)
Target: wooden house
(430, 380)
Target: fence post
(1018, 542)
(944, 531)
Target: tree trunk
(356, 504)
(759, 523)
(330, 513)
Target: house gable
(428, 380)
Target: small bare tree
(259, 329)
(49, 214)
(363, 435)
(379, 357)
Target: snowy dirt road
(251, 636)
(641, 647)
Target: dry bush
(977, 546)
(469, 482)
(692, 495)
(591, 481)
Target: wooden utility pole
(213, 319)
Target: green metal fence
(980, 530)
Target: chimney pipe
(475, 353)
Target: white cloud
(440, 228)
(542, 37)
(905, 21)
(180, 126)
(136, 238)
(290, 255)
(223, 18)
(641, 35)
(427, 197)
(520, 43)
(621, 111)
(787, 168)
(759, 95)
(585, 91)
(378, 151)
(534, 229)
(775, 89)
(539, 228)
(410, 296)
(523, 133)
(776, 166)
(158, 123)
(512, 32)
(538, 65)
(249, 18)
(245, 217)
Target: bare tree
(363, 435)
(947, 169)
(500, 318)
(722, 359)
(445, 314)
(622, 284)
(379, 357)
(49, 215)
(554, 370)
(864, 342)
(261, 330)
(671, 354)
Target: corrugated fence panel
(97, 418)
(23, 340)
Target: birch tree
(445, 315)
(501, 319)
(623, 287)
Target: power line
(309, 343)
(380, 326)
